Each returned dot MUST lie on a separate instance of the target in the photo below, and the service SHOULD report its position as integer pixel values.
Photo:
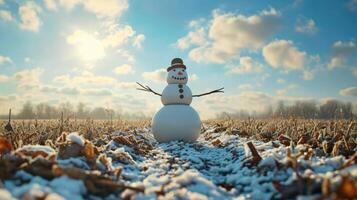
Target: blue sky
(94, 51)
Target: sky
(93, 51)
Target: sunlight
(89, 48)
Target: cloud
(341, 51)
(193, 77)
(97, 92)
(280, 81)
(158, 75)
(350, 91)
(246, 65)
(5, 59)
(86, 78)
(29, 16)
(2, 2)
(5, 15)
(124, 69)
(354, 71)
(89, 47)
(308, 75)
(247, 100)
(50, 4)
(287, 89)
(196, 37)
(118, 36)
(246, 86)
(92, 48)
(126, 85)
(306, 26)
(27, 60)
(139, 39)
(223, 37)
(282, 54)
(25, 79)
(28, 78)
(102, 9)
(352, 5)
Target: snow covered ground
(218, 166)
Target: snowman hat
(176, 63)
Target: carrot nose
(179, 73)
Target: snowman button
(180, 90)
(180, 86)
(181, 96)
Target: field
(232, 159)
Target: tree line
(331, 109)
(80, 111)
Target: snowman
(176, 120)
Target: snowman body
(176, 120)
(176, 94)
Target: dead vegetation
(318, 137)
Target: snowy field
(131, 165)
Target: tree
(27, 111)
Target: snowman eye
(174, 70)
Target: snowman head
(177, 72)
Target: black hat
(176, 63)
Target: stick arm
(220, 90)
(147, 89)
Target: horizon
(94, 52)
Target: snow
(76, 138)
(34, 148)
(183, 170)
(5, 195)
(59, 188)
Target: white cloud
(196, 37)
(50, 4)
(86, 78)
(126, 85)
(223, 37)
(69, 4)
(126, 55)
(27, 60)
(280, 81)
(25, 79)
(97, 92)
(28, 78)
(89, 47)
(341, 51)
(350, 91)
(354, 71)
(158, 75)
(139, 39)
(306, 26)
(107, 8)
(5, 59)
(4, 78)
(284, 55)
(287, 89)
(352, 5)
(118, 36)
(29, 16)
(5, 15)
(246, 86)
(246, 65)
(124, 69)
(308, 75)
(102, 9)
(193, 77)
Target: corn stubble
(327, 138)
